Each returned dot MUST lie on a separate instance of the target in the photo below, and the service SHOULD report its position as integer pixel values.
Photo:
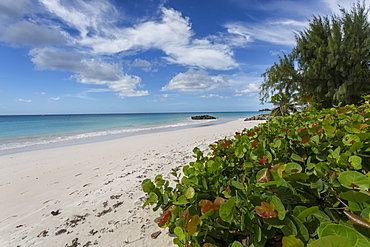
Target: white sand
(96, 187)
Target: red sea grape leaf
(357, 220)
(206, 205)
(263, 160)
(192, 224)
(207, 245)
(301, 129)
(306, 139)
(254, 143)
(250, 134)
(162, 221)
(217, 203)
(266, 210)
(265, 177)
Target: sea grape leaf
(355, 196)
(159, 180)
(356, 239)
(190, 192)
(265, 176)
(296, 157)
(305, 139)
(355, 162)
(366, 214)
(353, 179)
(279, 206)
(206, 205)
(181, 201)
(227, 210)
(179, 232)
(292, 241)
(266, 210)
(217, 203)
(357, 220)
(192, 224)
(236, 244)
(307, 212)
(293, 167)
(237, 185)
(331, 241)
(350, 139)
(152, 198)
(239, 151)
(147, 185)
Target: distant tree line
(330, 64)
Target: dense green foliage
(301, 180)
(330, 62)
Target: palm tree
(285, 103)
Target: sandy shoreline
(96, 187)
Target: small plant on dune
(300, 180)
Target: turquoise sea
(40, 131)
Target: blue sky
(123, 56)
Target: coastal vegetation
(298, 180)
(328, 65)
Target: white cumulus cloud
(88, 70)
(25, 100)
(193, 81)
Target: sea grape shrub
(302, 180)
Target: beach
(90, 194)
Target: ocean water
(38, 131)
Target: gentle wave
(34, 141)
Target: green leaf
(152, 198)
(355, 196)
(179, 232)
(181, 201)
(355, 162)
(353, 179)
(350, 139)
(159, 180)
(296, 157)
(190, 192)
(308, 212)
(279, 206)
(292, 168)
(292, 241)
(236, 244)
(239, 152)
(227, 210)
(237, 185)
(147, 185)
(356, 239)
(331, 241)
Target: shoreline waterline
(96, 137)
(28, 133)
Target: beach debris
(87, 244)
(117, 204)
(18, 226)
(43, 233)
(61, 231)
(155, 235)
(203, 117)
(75, 243)
(105, 211)
(93, 232)
(77, 218)
(115, 196)
(54, 213)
